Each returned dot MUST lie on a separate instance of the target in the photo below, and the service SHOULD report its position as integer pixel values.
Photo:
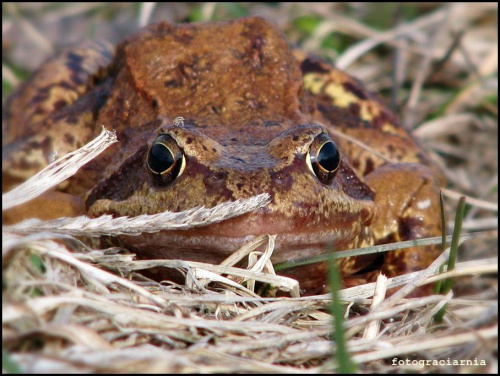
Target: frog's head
(316, 197)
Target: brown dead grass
(69, 308)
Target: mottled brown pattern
(252, 108)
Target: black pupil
(160, 158)
(329, 157)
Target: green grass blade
(9, 365)
(437, 289)
(376, 249)
(457, 229)
(342, 357)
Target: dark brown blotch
(355, 110)
(183, 35)
(311, 65)
(370, 166)
(60, 104)
(74, 64)
(355, 89)
(173, 83)
(69, 138)
(409, 227)
(271, 124)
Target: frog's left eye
(165, 159)
(323, 158)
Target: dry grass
(67, 307)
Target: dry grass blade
(146, 12)
(443, 341)
(107, 225)
(471, 200)
(9, 76)
(354, 52)
(419, 279)
(29, 28)
(134, 313)
(436, 264)
(446, 125)
(57, 171)
(372, 330)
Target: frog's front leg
(407, 198)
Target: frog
(258, 116)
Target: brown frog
(259, 117)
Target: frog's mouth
(296, 238)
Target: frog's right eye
(165, 159)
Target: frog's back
(230, 79)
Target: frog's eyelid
(183, 165)
(308, 162)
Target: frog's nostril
(215, 179)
